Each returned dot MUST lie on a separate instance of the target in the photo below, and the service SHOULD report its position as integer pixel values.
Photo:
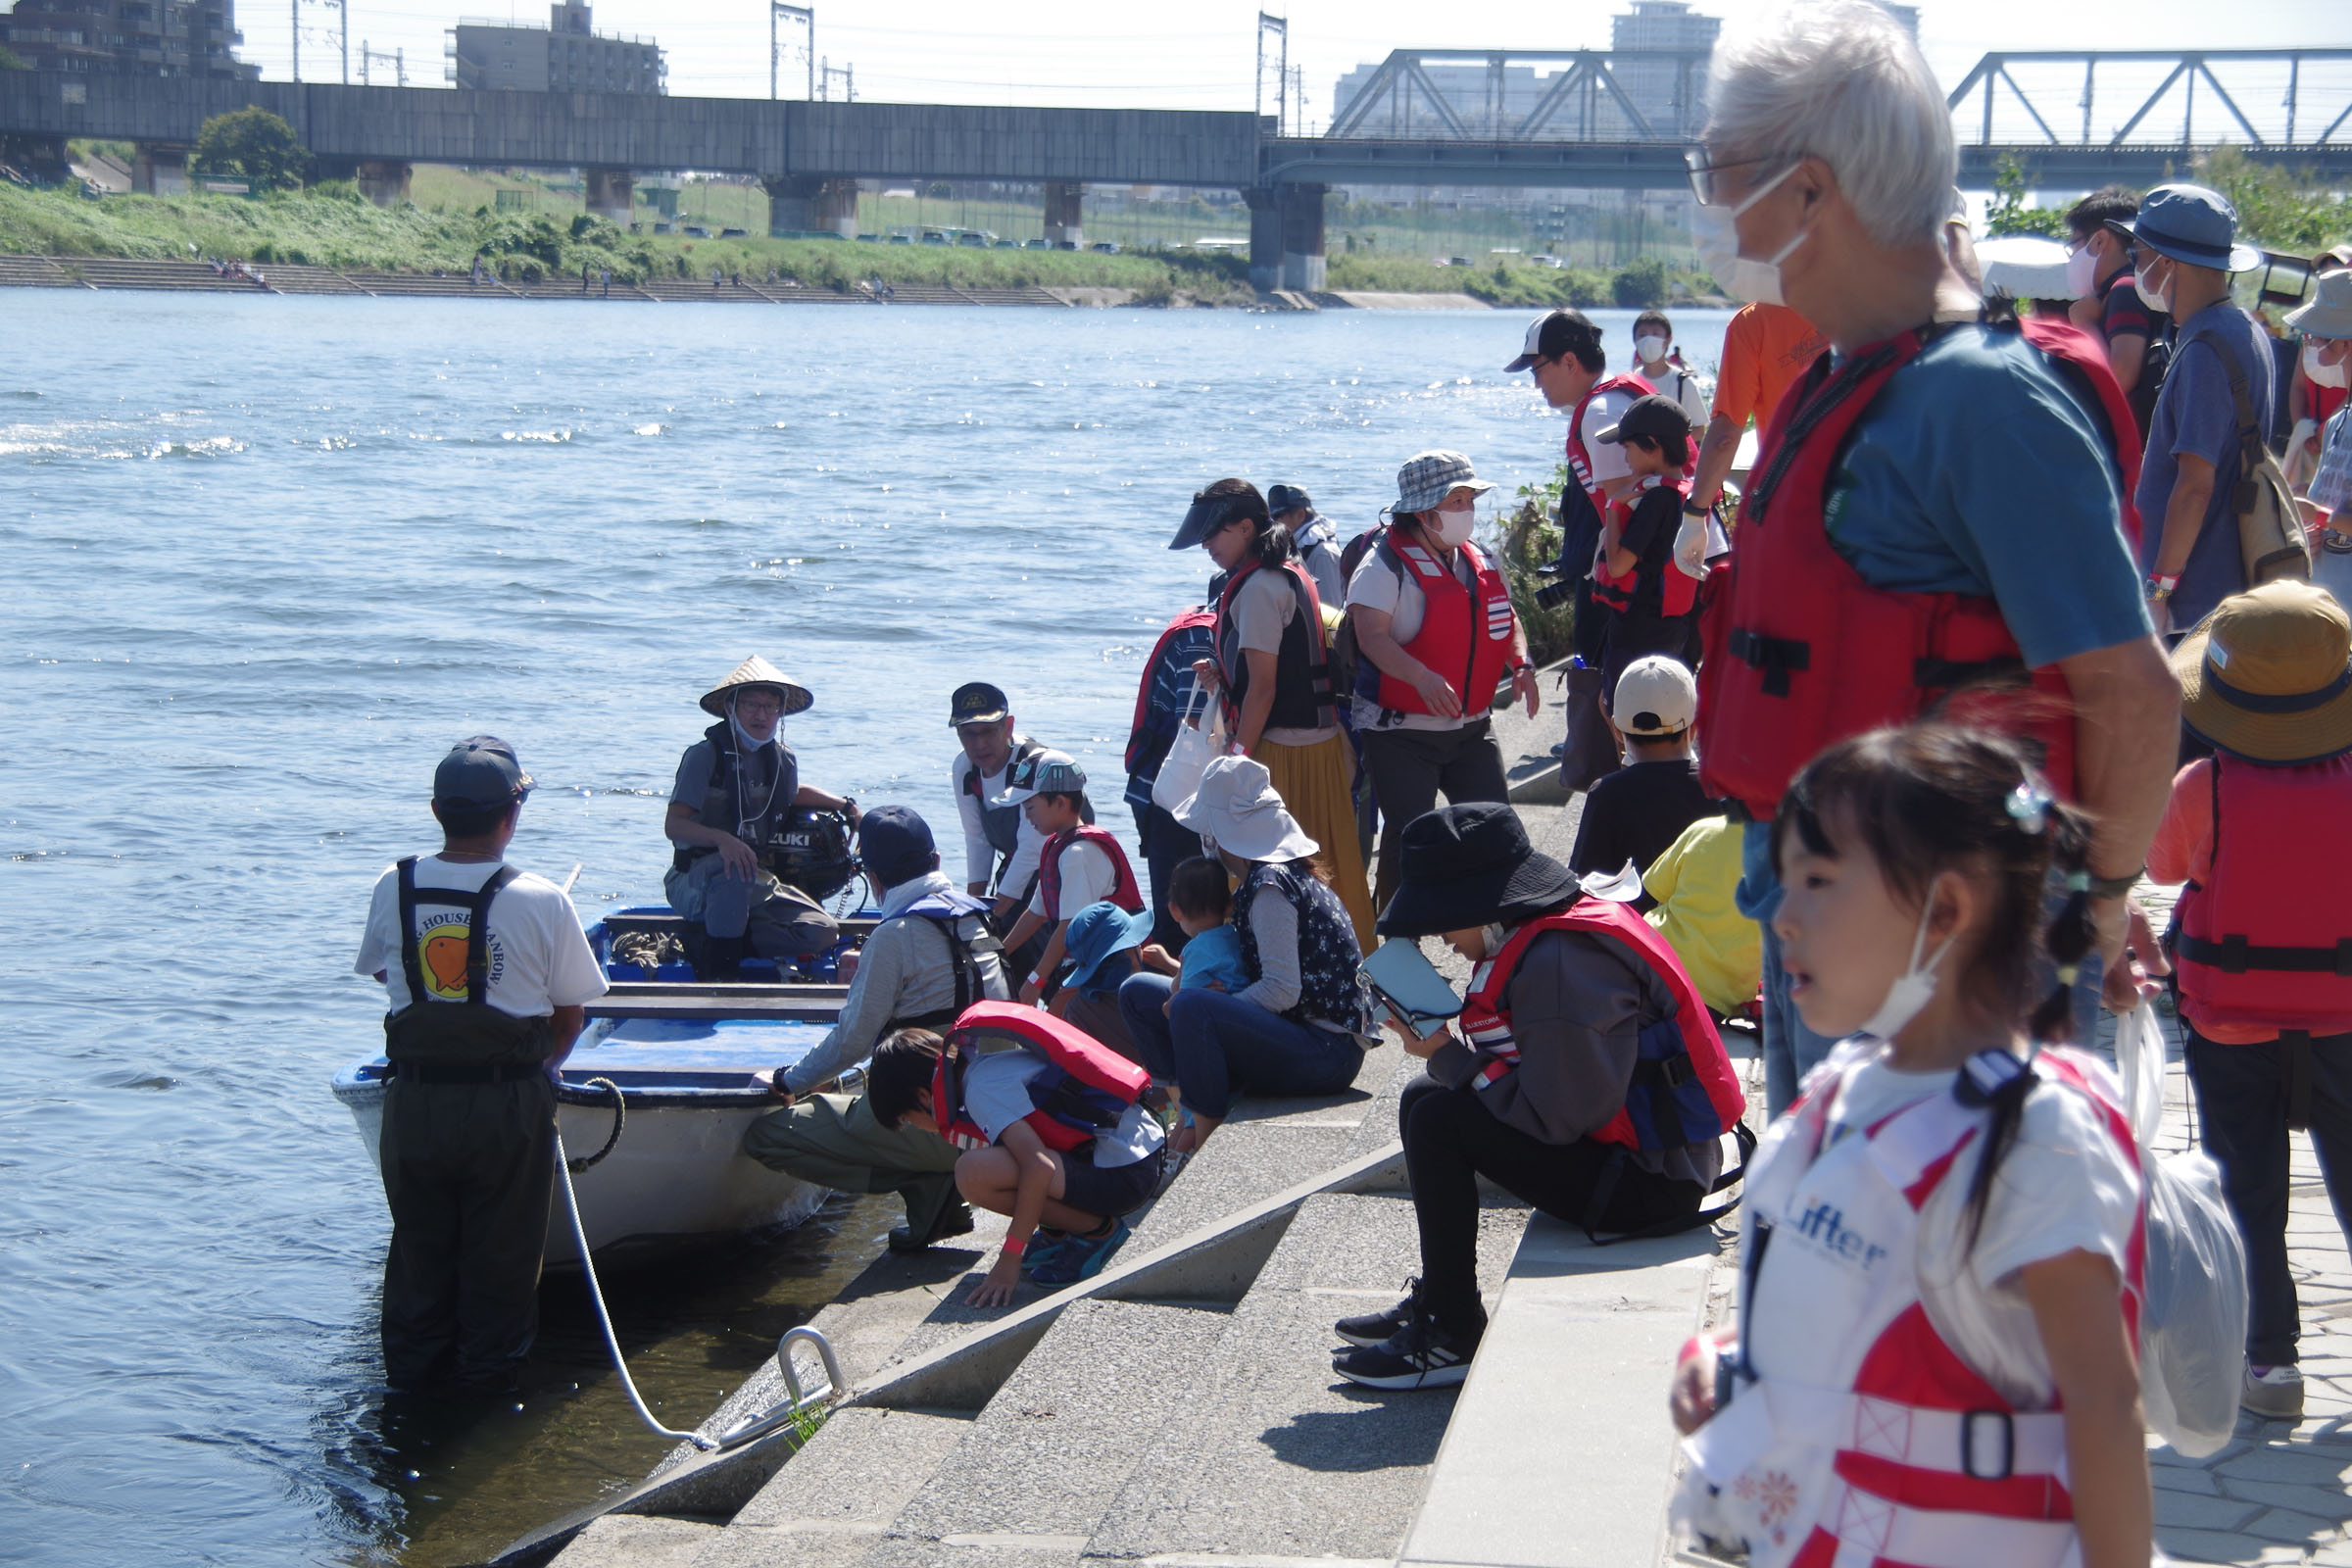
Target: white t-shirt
(539, 958)
(1087, 877)
(996, 1094)
(1377, 585)
(1607, 461)
(2062, 1186)
(1697, 397)
(1264, 607)
(980, 856)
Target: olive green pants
(834, 1141)
(469, 1173)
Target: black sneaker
(1419, 1355)
(954, 1218)
(1374, 1329)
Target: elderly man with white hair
(1933, 516)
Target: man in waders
(1000, 847)
(487, 974)
(932, 954)
(730, 812)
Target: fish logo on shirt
(441, 957)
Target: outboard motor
(811, 852)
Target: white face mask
(1494, 936)
(1650, 348)
(2081, 273)
(1453, 527)
(2152, 298)
(2318, 374)
(1915, 987)
(1717, 239)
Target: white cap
(1655, 695)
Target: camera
(1552, 595)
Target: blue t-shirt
(2197, 413)
(1214, 955)
(1975, 471)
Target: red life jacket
(1087, 1097)
(1465, 633)
(1302, 695)
(1124, 892)
(1802, 651)
(2267, 938)
(1580, 458)
(2081, 362)
(1679, 591)
(1684, 1089)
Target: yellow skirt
(1313, 782)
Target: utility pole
(400, 66)
(367, 56)
(344, 32)
(294, 12)
(1280, 27)
(1298, 101)
(806, 16)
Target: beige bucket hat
(2268, 675)
(756, 671)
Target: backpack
(2271, 540)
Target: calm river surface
(271, 557)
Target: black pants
(2242, 1095)
(1450, 1140)
(1411, 768)
(1166, 842)
(1637, 636)
(468, 1172)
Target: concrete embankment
(1179, 1409)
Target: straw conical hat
(756, 671)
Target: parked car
(1037, 244)
(696, 232)
(1005, 245)
(731, 234)
(1105, 247)
(902, 239)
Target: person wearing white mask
(2326, 327)
(1937, 503)
(2099, 274)
(1658, 363)
(1435, 635)
(2312, 398)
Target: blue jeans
(1212, 1045)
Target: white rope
(579, 1236)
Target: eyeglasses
(1703, 172)
(762, 704)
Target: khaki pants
(834, 1141)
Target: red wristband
(1016, 1246)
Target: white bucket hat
(1237, 809)
(756, 671)
(2329, 312)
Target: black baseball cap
(1553, 334)
(895, 844)
(1657, 417)
(480, 771)
(1282, 498)
(977, 702)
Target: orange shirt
(1765, 348)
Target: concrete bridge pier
(160, 169)
(385, 182)
(1065, 213)
(808, 204)
(1286, 237)
(612, 195)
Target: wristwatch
(2115, 887)
(2162, 587)
(1692, 509)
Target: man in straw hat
(2263, 943)
(735, 794)
(1578, 1024)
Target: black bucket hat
(1465, 866)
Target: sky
(1201, 55)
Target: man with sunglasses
(1935, 519)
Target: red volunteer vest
(1465, 633)
(2267, 939)
(1623, 594)
(1802, 651)
(1085, 1060)
(1124, 892)
(2080, 361)
(1580, 457)
(1487, 1021)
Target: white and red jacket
(1856, 1435)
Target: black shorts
(1112, 1189)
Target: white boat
(691, 1062)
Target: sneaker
(1419, 1355)
(954, 1218)
(1043, 1244)
(1375, 1328)
(2274, 1392)
(1081, 1258)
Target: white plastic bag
(2193, 1330)
(1190, 754)
(2139, 1064)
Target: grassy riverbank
(330, 224)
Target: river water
(271, 556)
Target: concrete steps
(286, 277)
(426, 285)
(117, 272)
(35, 271)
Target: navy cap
(895, 844)
(1657, 417)
(977, 702)
(1553, 334)
(2191, 223)
(1208, 514)
(1282, 498)
(480, 771)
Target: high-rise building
(141, 38)
(564, 56)
(1658, 53)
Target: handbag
(1590, 754)
(1190, 754)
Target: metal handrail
(784, 1414)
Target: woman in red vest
(2258, 831)
(1588, 1080)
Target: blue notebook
(1409, 985)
